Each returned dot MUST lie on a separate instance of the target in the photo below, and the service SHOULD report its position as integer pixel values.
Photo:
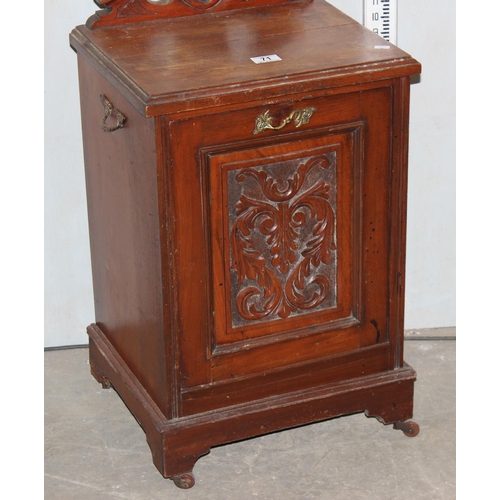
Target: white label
(382, 47)
(266, 59)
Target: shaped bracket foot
(104, 381)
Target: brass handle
(109, 110)
(299, 117)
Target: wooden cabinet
(247, 218)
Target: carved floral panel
(282, 238)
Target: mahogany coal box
(246, 173)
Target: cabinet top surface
(188, 55)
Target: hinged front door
(277, 213)
(280, 238)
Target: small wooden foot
(106, 384)
(409, 427)
(184, 481)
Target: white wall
(68, 286)
(426, 31)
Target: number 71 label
(266, 59)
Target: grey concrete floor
(95, 450)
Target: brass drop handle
(110, 110)
(299, 117)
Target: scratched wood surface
(208, 58)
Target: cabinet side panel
(122, 193)
(398, 212)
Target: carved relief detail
(116, 12)
(201, 4)
(132, 8)
(282, 239)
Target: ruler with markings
(381, 17)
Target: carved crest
(116, 12)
